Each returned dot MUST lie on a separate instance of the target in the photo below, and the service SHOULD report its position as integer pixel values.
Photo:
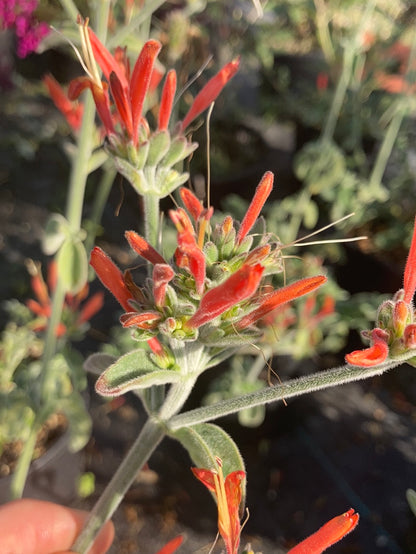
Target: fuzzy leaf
(98, 362)
(72, 265)
(205, 442)
(135, 370)
(56, 231)
(159, 144)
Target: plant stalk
(100, 200)
(284, 391)
(148, 439)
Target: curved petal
(375, 355)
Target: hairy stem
(284, 391)
(148, 439)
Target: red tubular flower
(72, 112)
(210, 91)
(171, 546)
(107, 62)
(122, 103)
(263, 190)
(162, 275)
(238, 287)
(73, 308)
(375, 355)
(330, 533)
(111, 277)
(228, 492)
(100, 95)
(409, 280)
(143, 320)
(143, 248)
(279, 297)
(140, 81)
(166, 101)
(191, 203)
(90, 308)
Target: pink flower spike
(143, 248)
(409, 279)
(162, 275)
(238, 287)
(330, 533)
(140, 81)
(375, 355)
(166, 101)
(279, 297)
(111, 277)
(263, 190)
(210, 91)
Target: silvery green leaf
(133, 371)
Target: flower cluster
(395, 331)
(214, 289)
(18, 15)
(76, 312)
(144, 157)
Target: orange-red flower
(376, 354)
(75, 313)
(330, 533)
(228, 493)
(72, 111)
(171, 546)
(129, 92)
(395, 321)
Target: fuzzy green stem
(190, 357)
(22, 468)
(100, 200)
(70, 9)
(151, 218)
(258, 364)
(284, 391)
(148, 439)
(339, 96)
(322, 27)
(390, 136)
(385, 151)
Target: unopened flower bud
(400, 317)
(410, 336)
(385, 315)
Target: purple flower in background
(18, 15)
